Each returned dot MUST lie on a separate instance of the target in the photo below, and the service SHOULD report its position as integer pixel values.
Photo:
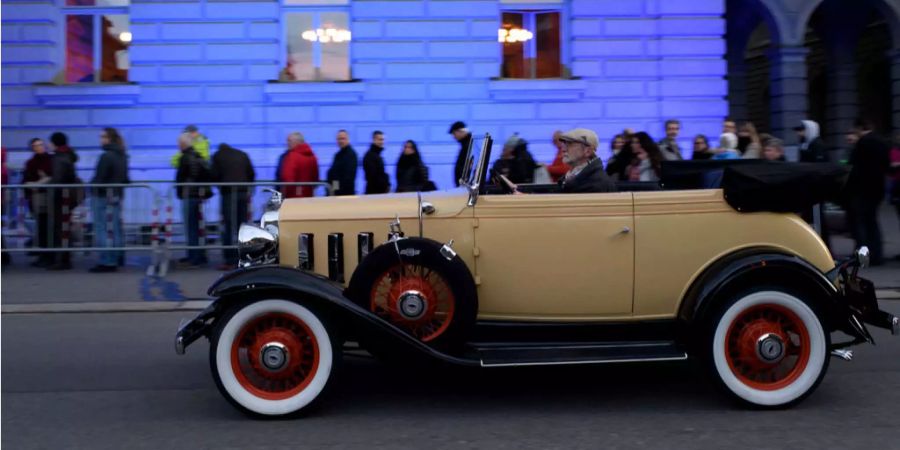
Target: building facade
(245, 74)
(249, 72)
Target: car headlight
(257, 246)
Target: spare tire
(418, 290)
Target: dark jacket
(870, 160)
(814, 152)
(299, 165)
(618, 165)
(64, 159)
(192, 169)
(36, 168)
(411, 173)
(460, 168)
(343, 170)
(35, 165)
(280, 166)
(520, 168)
(112, 168)
(591, 179)
(377, 181)
(230, 165)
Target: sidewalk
(23, 284)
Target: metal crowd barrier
(149, 216)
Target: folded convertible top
(755, 185)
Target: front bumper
(191, 330)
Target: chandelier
(513, 35)
(326, 35)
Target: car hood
(380, 206)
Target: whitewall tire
(768, 348)
(272, 357)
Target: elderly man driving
(586, 173)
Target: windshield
(475, 174)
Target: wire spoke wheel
(272, 357)
(415, 298)
(769, 348)
(275, 356)
(773, 329)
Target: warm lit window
(317, 41)
(531, 44)
(97, 38)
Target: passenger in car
(647, 163)
(586, 173)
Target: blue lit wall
(422, 64)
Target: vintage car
(477, 278)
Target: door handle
(626, 230)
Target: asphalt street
(112, 380)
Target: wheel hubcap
(413, 305)
(274, 356)
(770, 348)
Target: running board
(548, 354)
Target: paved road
(112, 381)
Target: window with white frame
(316, 40)
(97, 36)
(531, 37)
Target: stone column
(843, 96)
(788, 90)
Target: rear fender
(752, 267)
(322, 295)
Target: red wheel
(410, 284)
(414, 298)
(275, 356)
(272, 357)
(767, 347)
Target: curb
(104, 307)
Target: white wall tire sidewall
(817, 356)
(246, 398)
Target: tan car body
(562, 257)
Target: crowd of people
(634, 157)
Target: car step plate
(505, 355)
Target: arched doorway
(751, 34)
(849, 66)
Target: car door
(554, 256)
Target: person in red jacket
(299, 165)
(559, 168)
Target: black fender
(741, 269)
(322, 294)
